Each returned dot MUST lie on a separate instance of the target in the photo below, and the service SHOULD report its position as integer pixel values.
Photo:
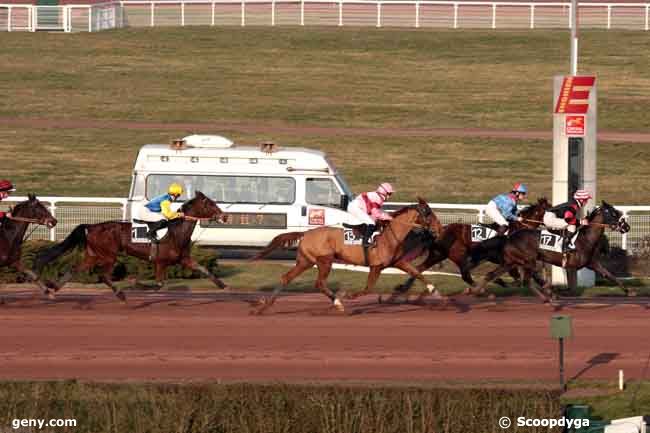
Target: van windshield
(227, 189)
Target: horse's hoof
(380, 300)
(467, 291)
(121, 296)
(50, 295)
(631, 293)
(492, 296)
(339, 305)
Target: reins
(589, 224)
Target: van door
(323, 199)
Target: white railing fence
(375, 13)
(72, 211)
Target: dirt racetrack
(206, 336)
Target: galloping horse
(455, 244)
(12, 232)
(522, 249)
(104, 241)
(325, 245)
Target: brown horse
(104, 241)
(12, 233)
(455, 244)
(522, 249)
(325, 245)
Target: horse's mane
(188, 203)
(404, 210)
(529, 208)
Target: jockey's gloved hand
(520, 219)
(584, 222)
(571, 228)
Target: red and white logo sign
(574, 126)
(316, 217)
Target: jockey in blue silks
(503, 208)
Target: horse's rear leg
(106, 279)
(302, 264)
(490, 276)
(193, 265)
(86, 264)
(33, 277)
(324, 267)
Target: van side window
(228, 189)
(322, 192)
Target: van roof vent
(214, 141)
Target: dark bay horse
(522, 249)
(455, 243)
(103, 242)
(12, 233)
(325, 245)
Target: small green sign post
(561, 328)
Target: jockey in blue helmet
(503, 208)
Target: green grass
(607, 402)
(293, 77)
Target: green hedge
(126, 266)
(246, 408)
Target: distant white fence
(375, 13)
(72, 211)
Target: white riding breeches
(360, 216)
(493, 212)
(146, 215)
(552, 222)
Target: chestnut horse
(325, 245)
(455, 244)
(12, 233)
(522, 249)
(104, 241)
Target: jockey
(366, 208)
(503, 208)
(565, 217)
(6, 187)
(158, 211)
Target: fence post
(481, 215)
(455, 15)
(272, 13)
(417, 14)
(379, 14)
(152, 13)
(9, 18)
(182, 13)
(90, 19)
(532, 16)
(340, 13)
(243, 13)
(302, 12)
(34, 10)
(212, 20)
(624, 237)
(647, 14)
(494, 15)
(569, 6)
(53, 213)
(66, 14)
(609, 16)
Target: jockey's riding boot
(501, 230)
(154, 227)
(367, 234)
(565, 244)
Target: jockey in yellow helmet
(158, 211)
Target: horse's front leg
(33, 277)
(413, 272)
(190, 263)
(598, 267)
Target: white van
(265, 190)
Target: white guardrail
(72, 211)
(375, 13)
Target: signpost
(561, 328)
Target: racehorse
(104, 241)
(325, 245)
(12, 233)
(455, 244)
(522, 249)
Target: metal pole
(574, 37)
(562, 384)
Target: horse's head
(536, 211)
(610, 216)
(33, 209)
(427, 218)
(202, 207)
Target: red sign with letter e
(574, 126)
(316, 217)
(574, 95)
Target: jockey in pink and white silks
(366, 209)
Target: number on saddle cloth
(482, 233)
(354, 237)
(550, 241)
(139, 231)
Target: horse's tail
(76, 238)
(285, 240)
(491, 249)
